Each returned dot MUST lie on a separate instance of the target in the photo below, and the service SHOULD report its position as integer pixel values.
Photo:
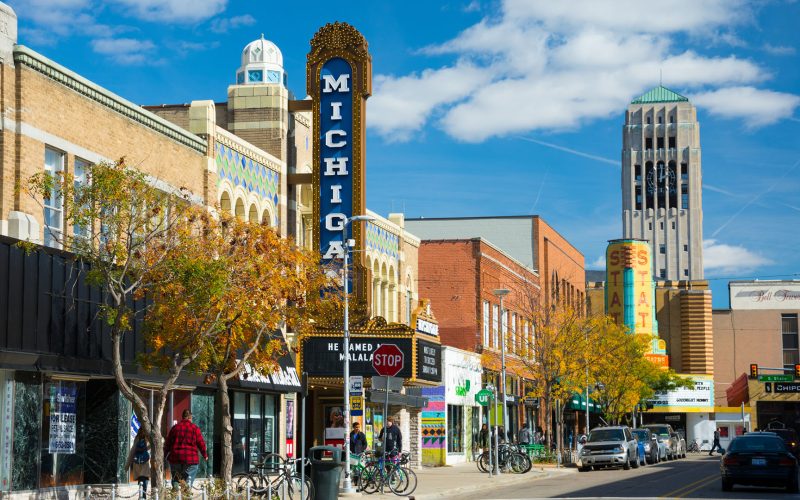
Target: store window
(63, 433)
(495, 326)
(486, 324)
(789, 332)
(455, 429)
(54, 204)
(253, 428)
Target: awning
(283, 379)
(578, 402)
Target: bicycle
(387, 470)
(275, 477)
(694, 447)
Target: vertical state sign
(339, 81)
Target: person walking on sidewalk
(524, 434)
(394, 438)
(183, 442)
(716, 445)
(139, 461)
(483, 438)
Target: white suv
(608, 447)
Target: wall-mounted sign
(63, 417)
(786, 388)
(324, 356)
(701, 397)
(765, 295)
(429, 360)
(425, 326)
(356, 386)
(339, 81)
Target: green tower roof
(659, 94)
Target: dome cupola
(262, 62)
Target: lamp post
(347, 485)
(502, 292)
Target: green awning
(578, 402)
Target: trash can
(326, 471)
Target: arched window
(240, 209)
(252, 216)
(225, 202)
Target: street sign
(483, 397)
(393, 383)
(784, 388)
(768, 387)
(776, 378)
(534, 402)
(356, 384)
(388, 360)
(356, 403)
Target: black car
(789, 437)
(759, 459)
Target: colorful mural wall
(630, 293)
(434, 433)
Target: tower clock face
(661, 181)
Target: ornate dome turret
(262, 62)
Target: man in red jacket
(183, 442)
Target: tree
(226, 293)
(123, 229)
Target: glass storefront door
(455, 429)
(254, 433)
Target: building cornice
(37, 62)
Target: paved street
(697, 476)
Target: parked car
(610, 446)
(648, 445)
(667, 447)
(759, 459)
(680, 445)
(789, 437)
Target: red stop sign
(387, 360)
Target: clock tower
(662, 182)
(258, 104)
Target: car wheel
(727, 485)
(584, 469)
(627, 464)
(636, 463)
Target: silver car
(667, 445)
(608, 447)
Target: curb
(492, 483)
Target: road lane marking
(710, 480)
(674, 494)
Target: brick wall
(556, 256)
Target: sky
(501, 107)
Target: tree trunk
(139, 408)
(226, 465)
(549, 422)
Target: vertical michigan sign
(339, 81)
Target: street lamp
(347, 486)
(502, 292)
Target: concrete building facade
(662, 198)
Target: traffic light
(753, 370)
(797, 371)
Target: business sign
(786, 388)
(429, 327)
(629, 285)
(765, 295)
(7, 431)
(356, 384)
(698, 398)
(63, 417)
(324, 356)
(339, 80)
(462, 376)
(429, 360)
(483, 397)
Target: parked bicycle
(373, 473)
(511, 458)
(694, 447)
(276, 478)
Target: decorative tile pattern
(243, 171)
(383, 241)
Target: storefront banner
(429, 361)
(764, 295)
(283, 379)
(701, 398)
(462, 372)
(324, 356)
(63, 415)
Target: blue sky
(502, 107)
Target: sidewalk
(439, 482)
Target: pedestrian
(358, 441)
(483, 438)
(525, 434)
(394, 438)
(183, 442)
(501, 434)
(716, 445)
(139, 461)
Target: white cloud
(756, 106)
(598, 263)
(223, 25)
(779, 50)
(126, 50)
(544, 65)
(54, 19)
(181, 11)
(473, 6)
(723, 258)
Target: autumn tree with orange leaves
(122, 231)
(226, 293)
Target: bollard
(227, 492)
(179, 492)
(141, 491)
(114, 491)
(247, 491)
(88, 492)
(203, 494)
(155, 492)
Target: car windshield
(660, 431)
(757, 443)
(640, 435)
(606, 435)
